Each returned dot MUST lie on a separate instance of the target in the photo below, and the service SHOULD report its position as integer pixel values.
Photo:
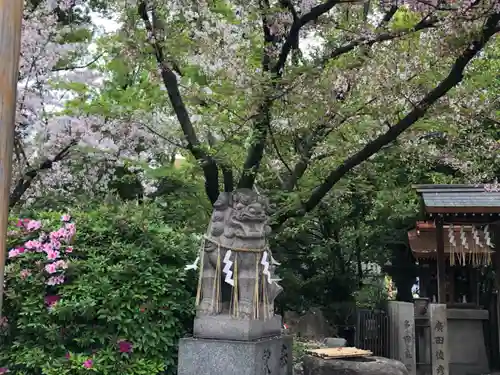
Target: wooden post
(441, 265)
(11, 12)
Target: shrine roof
(445, 199)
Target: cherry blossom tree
(252, 100)
(60, 146)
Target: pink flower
(4, 370)
(47, 247)
(54, 235)
(61, 264)
(33, 245)
(88, 363)
(33, 225)
(51, 300)
(68, 355)
(51, 268)
(52, 254)
(19, 223)
(65, 217)
(69, 249)
(13, 253)
(56, 245)
(25, 273)
(55, 280)
(124, 346)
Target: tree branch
(382, 37)
(262, 121)
(208, 164)
(73, 67)
(24, 182)
(292, 38)
(454, 77)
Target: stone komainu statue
(236, 273)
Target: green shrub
(119, 300)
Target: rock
(291, 319)
(334, 342)
(355, 366)
(298, 369)
(313, 325)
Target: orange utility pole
(11, 15)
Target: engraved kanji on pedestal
(439, 339)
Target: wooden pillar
(11, 12)
(441, 264)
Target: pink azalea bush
(103, 291)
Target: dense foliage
(112, 297)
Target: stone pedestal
(228, 328)
(439, 339)
(402, 332)
(268, 356)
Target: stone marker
(235, 330)
(402, 334)
(355, 366)
(439, 339)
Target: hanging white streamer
(463, 238)
(274, 262)
(265, 263)
(227, 268)
(487, 236)
(193, 266)
(451, 235)
(475, 235)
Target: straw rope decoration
(487, 239)
(465, 245)
(230, 269)
(235, 295)
(200, 276)
(453, 243)
(256, 290)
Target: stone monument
(235, 330)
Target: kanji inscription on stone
(439, 339)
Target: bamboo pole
(11, 12)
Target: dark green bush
(124, 303)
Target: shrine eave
(463, 201)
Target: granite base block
(226, 327)
(269, 356)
